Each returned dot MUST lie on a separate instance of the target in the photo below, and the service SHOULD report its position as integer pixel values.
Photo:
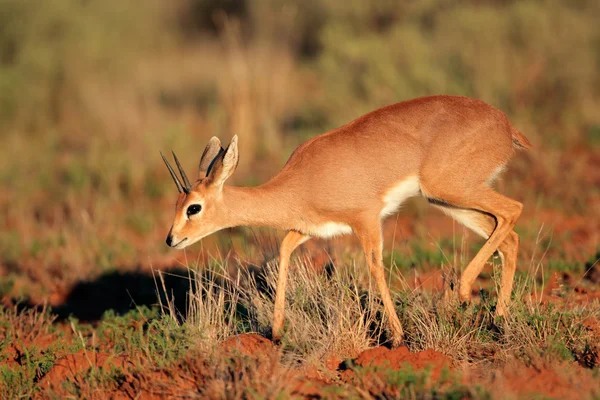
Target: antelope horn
(179, 187)
(187, 186)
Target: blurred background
(91, 91)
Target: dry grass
(336, 312)
(212, 305)
(327, 314)
(331, 314)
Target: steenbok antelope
(448, 149)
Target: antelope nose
(169, 240)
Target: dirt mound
(308, 388)
(527, 380)
(398, 358)
(565, 381)
(17, 349)
(379, 383)
(68, 366)
(248, 344)
(73, 366)
(183, 380)
(332, 362)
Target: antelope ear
(224, 165)
(212, 150)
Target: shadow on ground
(124, 291)
(127, 288)
(121, 291)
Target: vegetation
(334, 317)
(91, 91)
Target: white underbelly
(328, 229)
(392, 200)
(401, 191)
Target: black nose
(169, 240)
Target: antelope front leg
(291, 241)
(373, 252)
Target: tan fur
(445, 148)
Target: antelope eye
(193, 209)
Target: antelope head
(199, 210)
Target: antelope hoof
(276, 338)
(500, 311)
(397, 342)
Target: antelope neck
(259, 206)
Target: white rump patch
(329, 229)
(394, 197)
(467, 218)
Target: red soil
(70, 365)
(193, 375)
(249, 344)
(426, 280)
(396, 358)
(332, 362)
(182, 381)
(524, 380)
(575, 295)
(399, 358)
(566, 381)
(13, 353)
(305, 383)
